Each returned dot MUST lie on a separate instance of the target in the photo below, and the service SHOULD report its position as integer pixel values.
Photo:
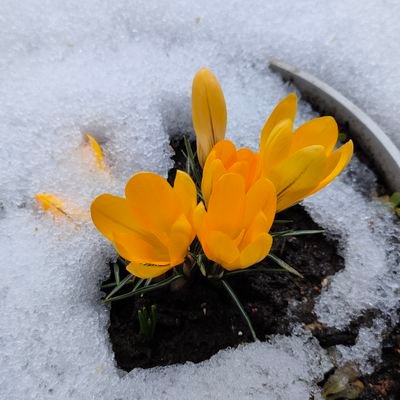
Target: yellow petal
(277, 145)
(145, 249)
(291, 198)
(211, 173)
(208, 112)
(286, 109)
(225, 150)
(110, 214)
(152, 202)
(147, 271)
(261, 197)
(241, 168)
(185, 191)
(97, 151)
(299, 174)
(50, 202)
(337, 161)
(227, 204)
(221, 248)
(256, 251)
(259, 225)
(180, 238)
(301, 170)
(323, 131)
(199, 216)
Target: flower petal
(225, 150)
(199, 216)
(337, 161)
(152, 202)
(142, 249)
(208, 112)
(286, 109)
(323, 131)
(110, 215)
(227, 204)
(221, 248)
(277, 146)
(185, 191)
(180, 238)
(211, 173)
(256, 251)
(254, 229)
(261, 197)
(301, 170)
(147, 271)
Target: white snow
(122, 71)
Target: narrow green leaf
(137, 291)
(120, 285)
(284, 265)
(240, 307)
(257, 269)
(296, 233)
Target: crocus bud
(208, 112)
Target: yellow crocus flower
(152, 227)
(208, 112)
(302, 162)
(225, 158)
(233, 231)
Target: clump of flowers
(216, 216)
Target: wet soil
(197, 318)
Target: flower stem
(240, 307)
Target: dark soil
(200, 319)
(196, 317)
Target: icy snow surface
(122, 71)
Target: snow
(122, 71)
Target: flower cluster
(241, 190)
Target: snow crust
(122, 71)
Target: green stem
(240, 307)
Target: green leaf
(395, 199)
(284, 265)
(120, 286)
(240, 307)
(296, 233)
(137, 290)
(342, 137)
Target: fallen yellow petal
(97, 151)
(51, 203)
